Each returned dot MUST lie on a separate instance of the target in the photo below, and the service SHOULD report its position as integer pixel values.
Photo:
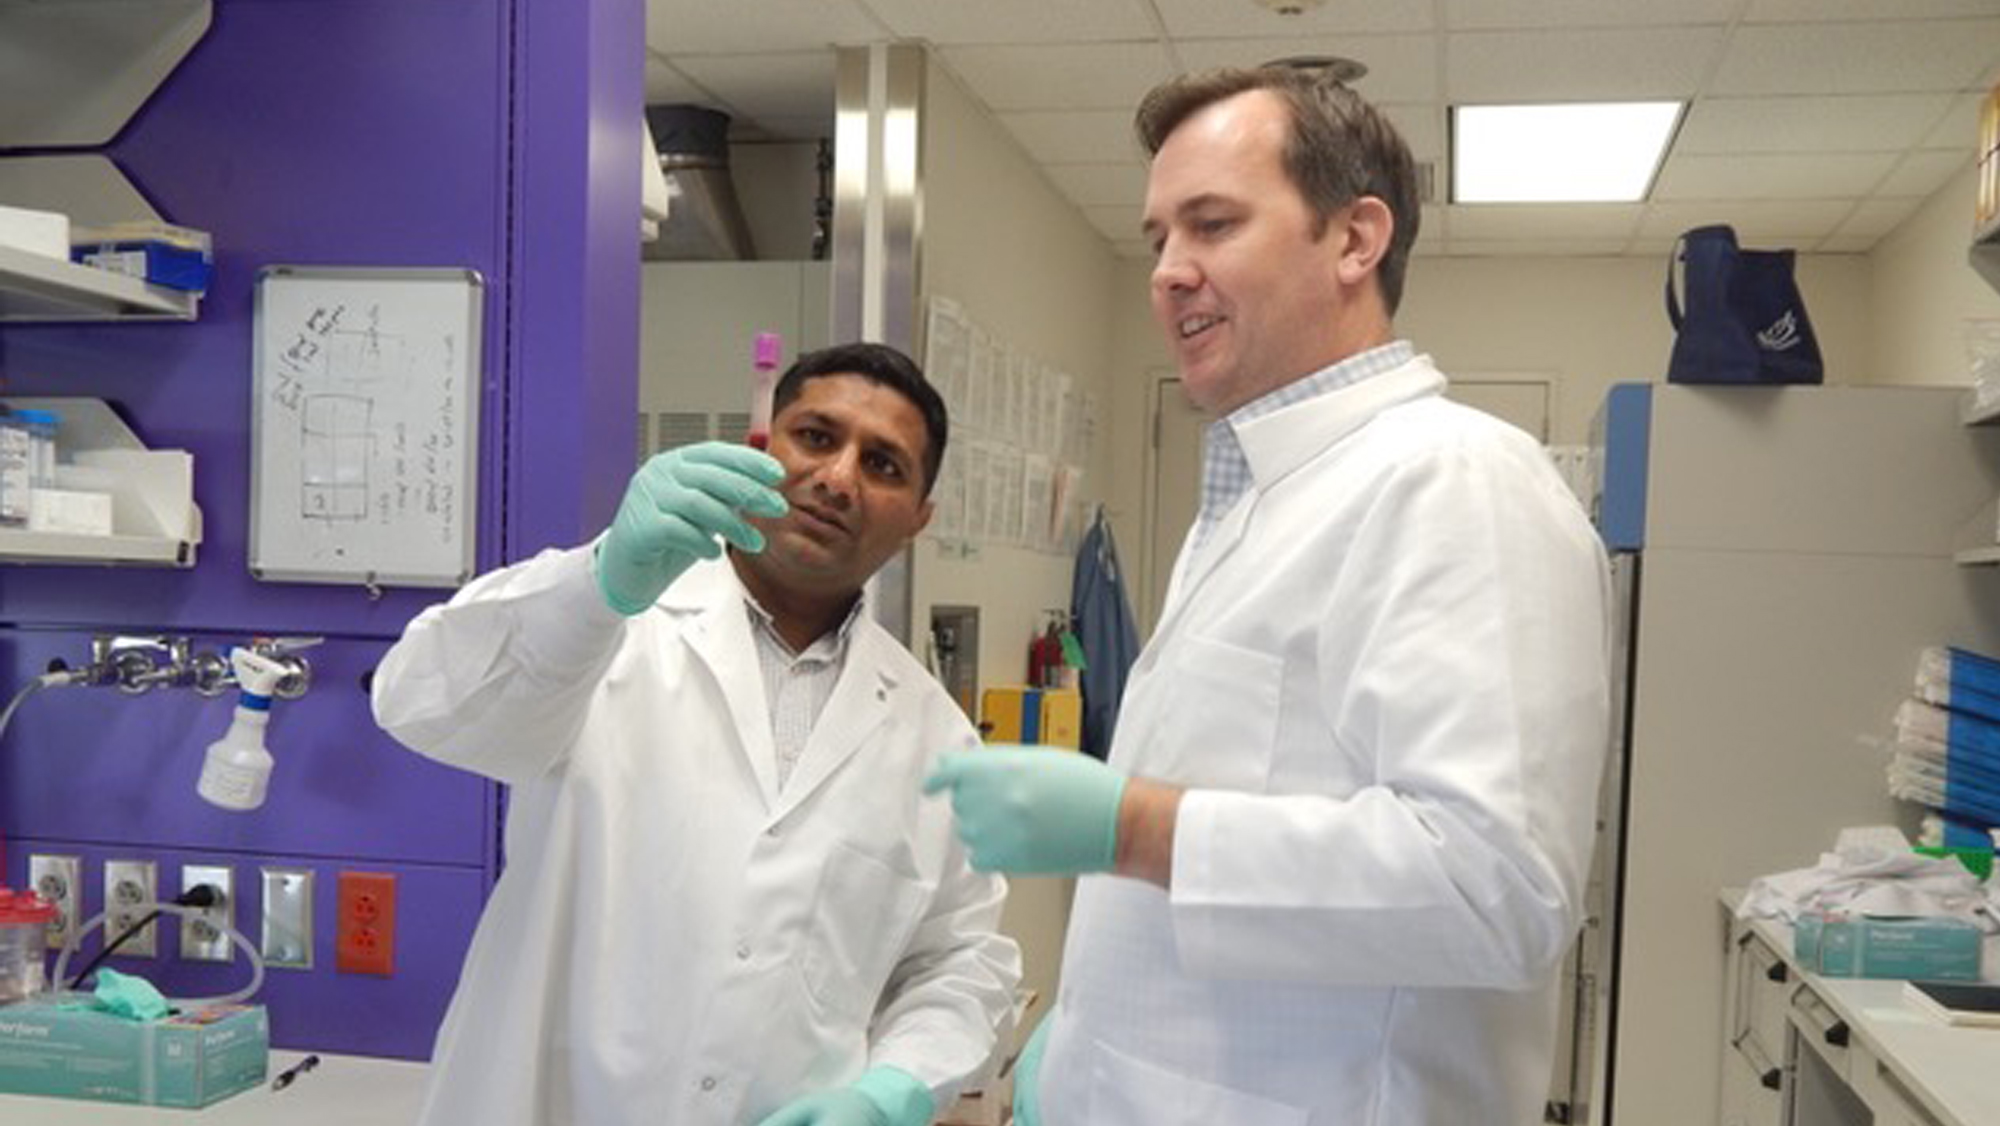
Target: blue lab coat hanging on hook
(1104, 626)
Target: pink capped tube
(763, 380)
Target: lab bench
(340, 1091)
(1805, 1050)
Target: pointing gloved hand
(675, 507)
(882, 1096)
(1035, 812)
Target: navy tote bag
(1743, 320)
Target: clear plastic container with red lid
(24, 923)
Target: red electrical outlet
(365, 931)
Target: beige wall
(1025, 265)
(1922, 290)
(1583, 323)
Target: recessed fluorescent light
(1579, 152)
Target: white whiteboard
(365, 425)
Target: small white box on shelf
(76, 512)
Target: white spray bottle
(237, 769)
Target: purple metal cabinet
(492, 134)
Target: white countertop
(341, 1091)
(1950, 1067)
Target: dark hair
(881, 365)
(1340, 147)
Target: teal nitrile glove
(675, 507)
(1028, 1078)
(125, 995)
(1035, 812)
(882, 1096)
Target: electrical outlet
(130, 889)
(58, 879)
(202, 936)
(287, 941)
(365, 931)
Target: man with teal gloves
(726, 901)
(1338, 853)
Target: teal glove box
(1913, 947)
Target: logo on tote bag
(1742, 320)
(1783, 334)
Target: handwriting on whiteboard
(377, 413)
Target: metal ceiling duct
(704, 222)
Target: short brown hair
(1340, 148)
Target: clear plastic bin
(24, 923)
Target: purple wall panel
(90, 763)
(492, 134)
(578, 326)
(319, 1007)
(366, 132)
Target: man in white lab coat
(725, 901)
(1348, 812)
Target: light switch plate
(287, 941)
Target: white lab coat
(674, 939)
(1384, 678)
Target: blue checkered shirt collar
(1225, 470)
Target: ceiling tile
(1100, 185)
(708, 27)
(1763, 11)
(1766, 222)
(1401, 68)
(794, 84)
(1111, 76)
(667, 86)
(1120, 224)
(1238, 19)
(959, 22)
(1544, 222)
(1922, 173)
(1436, 223)
(1856, 58)
(1874, 218)
(1959, 127)
(1064, 137)
(1487, 15)
(1536, 248)
(1570, 66)
(1752, 176)
(1846, 244)
(1881, 123)
(1422, 127)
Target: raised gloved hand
(1036, 812)
(1028, 1078)
(882, 1096)
(675, 507)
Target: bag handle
(1678, 255)
(1673, 299)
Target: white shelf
(34, 287)
(154, 519)
(1978, 556)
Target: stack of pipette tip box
(1947, 752)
